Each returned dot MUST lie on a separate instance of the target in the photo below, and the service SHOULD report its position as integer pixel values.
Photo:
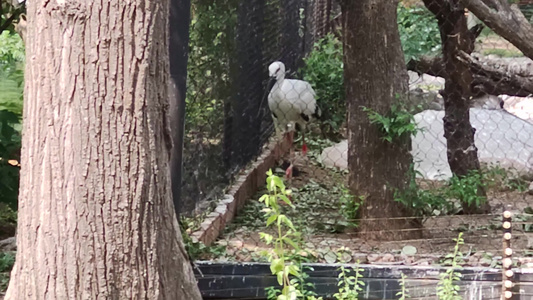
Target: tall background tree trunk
(458, 131)
(374, 75)
(96, 220)
(180, 18)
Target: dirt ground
(318, 215)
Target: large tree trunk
(374, 74)
(96, 220)
(458, 131)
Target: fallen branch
(488, 78)
(494, 78)
(431, 65)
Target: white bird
(292, 103)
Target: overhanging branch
(489, 77)
(506, 20)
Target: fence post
(507, 261)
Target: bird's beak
(271, 81)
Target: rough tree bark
(458, 131)
(96, 220)
(374, 74)
(506, 20)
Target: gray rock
(425, 82)
(487, 102)
(9, 244)
(424, 92)
(530, 189)
(421, 100)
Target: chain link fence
(232, 43)
(229, 122)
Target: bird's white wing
(301, 94)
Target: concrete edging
(243, 188)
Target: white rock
(336, 155)
(501, 139)
(521, 107)
(9, 244)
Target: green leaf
(263, 198)
(278, 182)
(293, 270)
(276, 265)
(285, 199)
(330, 257)
(271, 219)
(290, 242)
(266, 237)
(279, 276)
(283, 219)
(409, 250)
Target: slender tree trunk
(374, 75)
(96, 219)
(458, 131)
(180, 17)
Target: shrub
(10, 140)
(421, 202)
(11, 91)
(467, 188)
(397, 124)
(419, 32)
(324, 71)
(211, 45)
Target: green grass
(486, 31)
(503, 52)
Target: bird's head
(276, 70)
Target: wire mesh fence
(231, 43)
(472, 142)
